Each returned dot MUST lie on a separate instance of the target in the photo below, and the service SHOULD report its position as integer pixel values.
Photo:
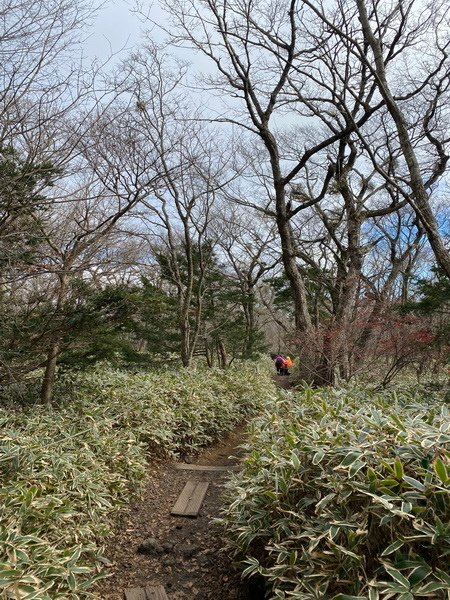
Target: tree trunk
(249, 312)
(185, 352)
(302, 317)
(303, 325)
(209, 356)
(406, 279)
(335, 353)
(222, 354)
(325, 374)
(288, 247)
(48, 381)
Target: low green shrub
(345, 495)
(66, 472)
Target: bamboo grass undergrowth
(345, 495)
(67, 472)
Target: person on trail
(280, 364)
(289, 362)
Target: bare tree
(286, 61)
(193, 167)
(385, 38)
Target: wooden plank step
(153, 592)
(188, 467)
(190, 499)
(135, 594)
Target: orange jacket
(289, 362)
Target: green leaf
(325, 501)
(350, 458)
(10, 574)
(295, 461)
(396, 420)
(388, 483)
(399, 578)
(334, 531)
(270, 494)
(318, 456)
(27, 589)
(355, 468)
(392, 548)
(418, 574)
(373, 593)
(441, 470)
(406, 507)
(346, 597)
(72, 582)
(444, 576)
(428, 588)
(414, 482)
(371, 475)
(253, 567)
(398, 468)
(428, 443)
(345, 551)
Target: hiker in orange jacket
(288, 362)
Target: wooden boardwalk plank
(154, 592)
(190, 499)
(183, 498)
(135, 594)
(188, 467)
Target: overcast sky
(115, 27)
(117, 30)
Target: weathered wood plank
(183, 499)
(190, 499)
(156, 592)
(135, 594)
(188, 467)
(153, 592)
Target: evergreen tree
(434, 303)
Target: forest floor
(184, 555)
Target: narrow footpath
(284, 382)
(184, 555)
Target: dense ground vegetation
(345, 494)
(69, 471)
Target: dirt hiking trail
(185, 555)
